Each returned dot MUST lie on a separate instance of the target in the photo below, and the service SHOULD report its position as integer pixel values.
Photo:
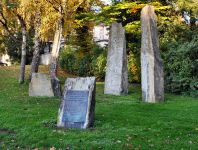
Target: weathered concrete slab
(40, 85)
(116, 79)
(78, 103)
(152, 74)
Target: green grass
(121, 122)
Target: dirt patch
(6, 131)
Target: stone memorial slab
(116, 79)
(152, 75)
(40, 85)
(78, 103)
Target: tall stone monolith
(116, 79)
(152, 74)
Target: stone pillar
(116, 79)
(152, 74)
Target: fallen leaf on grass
(52, 148)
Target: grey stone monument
(116, 79)
(40, 85)
(152, 74)
(78, 103)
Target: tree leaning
(23, 49)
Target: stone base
(40, 85)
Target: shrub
(74, 61)
(181, 67)
(84, 66)
(133, 68)
(99, 66)
(68, 59)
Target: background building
(101, 35)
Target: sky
(107, 1)
(97, 8)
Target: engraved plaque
(75, 107)
(78, 103)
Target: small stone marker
(152, 74)
(116, 79)
(40, 85)
(78, 103)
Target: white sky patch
(97, 9)
(107, 1)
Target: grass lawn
(121, 122)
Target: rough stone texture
(116, 79)
(40, 85)
(56, 86)
(152, 74)
(77, 85)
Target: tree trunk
(55, 53)
(23, 50)
(54, 60)
(36, 54)
(37, 45)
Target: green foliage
(68, 60)
(76, 57)
(84, 66)
(133, 36)
(188, 5)
(83, 38)
(13, 48)
(125, 12)
(74, 61)
(99, 62)
(134, 71)
(181, 67)
(128, 13)
(94, 63)
(179, 50)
